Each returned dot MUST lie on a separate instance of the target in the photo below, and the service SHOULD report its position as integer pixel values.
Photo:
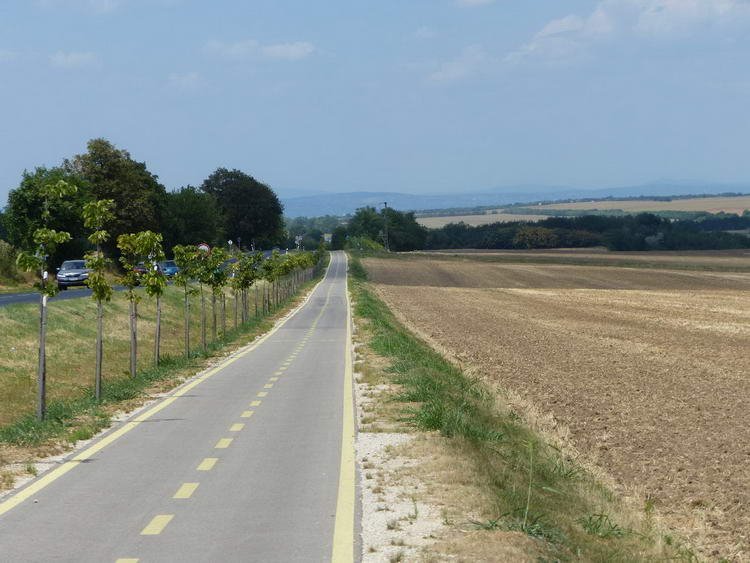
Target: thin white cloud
(104, 5)
(250, 48)
(471, 61)
(425, 32)
(237, 50)
(6, 55)
(74, 60)
(569, 39)
(472, 3)
(289, 51)
(185, 81)
(99, 6)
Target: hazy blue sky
(394, 95)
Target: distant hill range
(347, 203)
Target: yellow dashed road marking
(223, 443)
(236, 427)
(208, 464)
(127, 561)
(273, 379)
(157, 525)
(255, 404)
(279, 373)
(268, 386)
(186, 490)
(246, 414)
(262, 394)
(282, 368)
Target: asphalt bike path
(252, 461)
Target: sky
(418, 96)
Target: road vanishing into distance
(252, 460)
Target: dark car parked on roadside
(72, 273)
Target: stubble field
(474, 220)
(734, 204)
(644, 370)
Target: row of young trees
(229, 204)
(213, 269)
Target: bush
(8, 270)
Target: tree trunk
(244, 306)
(203, 320)
(99, 349)
(157, 338)
(41, 411)
(133, 338)
(187, 324)
(213, 316)
(223, 314)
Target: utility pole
(385, 230)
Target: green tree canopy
(192, 217)
(366, 222)
(23, 214)
(404, 233)
(251, 210)
(139, 198)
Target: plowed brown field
(647, 369)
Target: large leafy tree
(366, 222)
(251, 209)
(29, 208)
(192, 217)
(3, 227)
(139, 198)
(404, 233)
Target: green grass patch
(530, 486)
(72, 410)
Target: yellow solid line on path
(186, 490)
(246, 414)
(236, 427)
(157, 525)
(223, 443)
(37, 485)
(208, 464)
(343, 534)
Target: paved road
(252, 461)
(15, 298)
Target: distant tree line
(229, 204)
(311, 229)
(404, 233)
(644, 231)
